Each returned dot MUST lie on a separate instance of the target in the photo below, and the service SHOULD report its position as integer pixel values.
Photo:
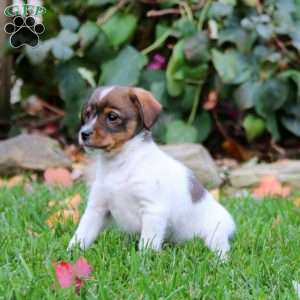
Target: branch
(111, 11)
(173, 11)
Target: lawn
(264, 261)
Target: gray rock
(197, 158)
(31, 152)
(287, 171)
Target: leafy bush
(244, 52)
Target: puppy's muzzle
(86, 134)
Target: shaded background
(227, 72)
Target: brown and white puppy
(138, 186)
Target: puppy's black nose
(85, 134)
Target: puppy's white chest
(124, 207)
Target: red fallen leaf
(270, 186)
(51, 129)
(64, 274)
(81, 268)
(237, 150)
(58, 176)
(68, 274)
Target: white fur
(145, 191)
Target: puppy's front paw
(76, 241)
(149, 244)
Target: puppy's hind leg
(218, 241)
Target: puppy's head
(113, 115)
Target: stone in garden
(197, 158)
(287, 171)
(31, 152)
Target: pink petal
(81, 268)
(159, 58)
(158, 62)
(154, 66)
(64, 274)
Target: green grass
(265, 258)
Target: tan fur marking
(151, 108)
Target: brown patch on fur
(195, 188)
(149, 107)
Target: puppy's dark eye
(112, 117)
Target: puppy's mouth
(92, 146)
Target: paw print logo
(24, 31)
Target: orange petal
(270, 186)
(58, 176)
(74, 201)
(297, 201)
(15, 180)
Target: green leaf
(175, 86)
(158, 90)
(88, 33)
(196, 73)
(251, 3)
(124, 69)
(179, 132)
(292, 107)
(272, 126)
(70, 82)
(69, 22)
(244, 95)
(231, 66)
(254, 126)
(196, 48)
(148, 76)
(67, 37)
(265, 30)
(291, 123)
(229, 2)
(100, 50)
(243, 39)
(185, 27)
(120, 27)
(293, 75)
(160, 30)
(295, 33)
(270, 95)
(87, 75)
(218, 10)
(39, 53)
(74, 91)
(61, 51)
(179, 72)
(204, 124)
(100, 2)
(188, 98)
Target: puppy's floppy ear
(148, 106)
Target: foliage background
(230, 63)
